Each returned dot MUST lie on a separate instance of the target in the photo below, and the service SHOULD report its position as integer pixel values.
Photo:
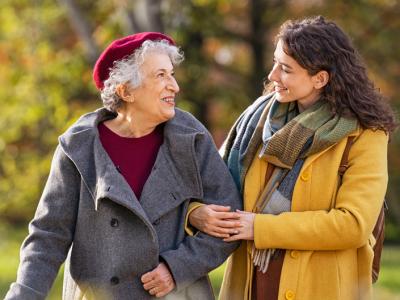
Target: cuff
(22, 292)
(189, 229)
(261, 237)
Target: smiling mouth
(280, 89)
(169, 100)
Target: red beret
(120, 48)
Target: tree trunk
(82, 28)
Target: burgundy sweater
(133, 157)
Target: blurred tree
(47, 51)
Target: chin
(284, 99)
(169, 114)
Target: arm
(349, 223)
(50, 232)
(197, 255)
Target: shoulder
(370, 138)
(88, 121)
(84, 130)
(187, 122)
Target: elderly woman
(119, 188)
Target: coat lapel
(82, 145)
(175, 176)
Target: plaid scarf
(288, 138)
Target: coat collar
(173, 167)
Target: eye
(160, 75)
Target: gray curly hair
(127, 70)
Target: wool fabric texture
(120, 48)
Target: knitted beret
(120, 48)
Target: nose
(273, 74)
(173, 85)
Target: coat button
(294, 254)
(114, 280)
(305, 176)
(289, 295)
(114, 222)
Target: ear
(321, 79)
(124, 92)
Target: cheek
(297, 83)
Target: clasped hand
(219, 221)
(158, 282)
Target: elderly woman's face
(155, 97)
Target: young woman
(307, 233)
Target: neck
(305, 104)
(130, 124)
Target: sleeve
(199, 254)
(50, 232)
(350, 222)
(189, 229)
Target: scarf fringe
(261, 258)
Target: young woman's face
(291, 81)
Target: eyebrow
(164, 70)
(281, 63)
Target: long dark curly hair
(317, 44)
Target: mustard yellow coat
(328, 232)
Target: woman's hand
(246, 230)
(158, 282)
(215, 220)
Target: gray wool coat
(89, 216)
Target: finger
(153, 291)
(232, 238)
(219, 235)
(243, 212)
(226, 231)
(222, 232)
(219, 208)
(227, 215)
(223, 224)
(147, 277)
(215, 232)
(149, 285)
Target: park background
(48, 49)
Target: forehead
(282, 57)
(154, 61)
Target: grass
(387, 287)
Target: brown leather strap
(379, 234)
(268, 173)
(344, 163)
(379, 229)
